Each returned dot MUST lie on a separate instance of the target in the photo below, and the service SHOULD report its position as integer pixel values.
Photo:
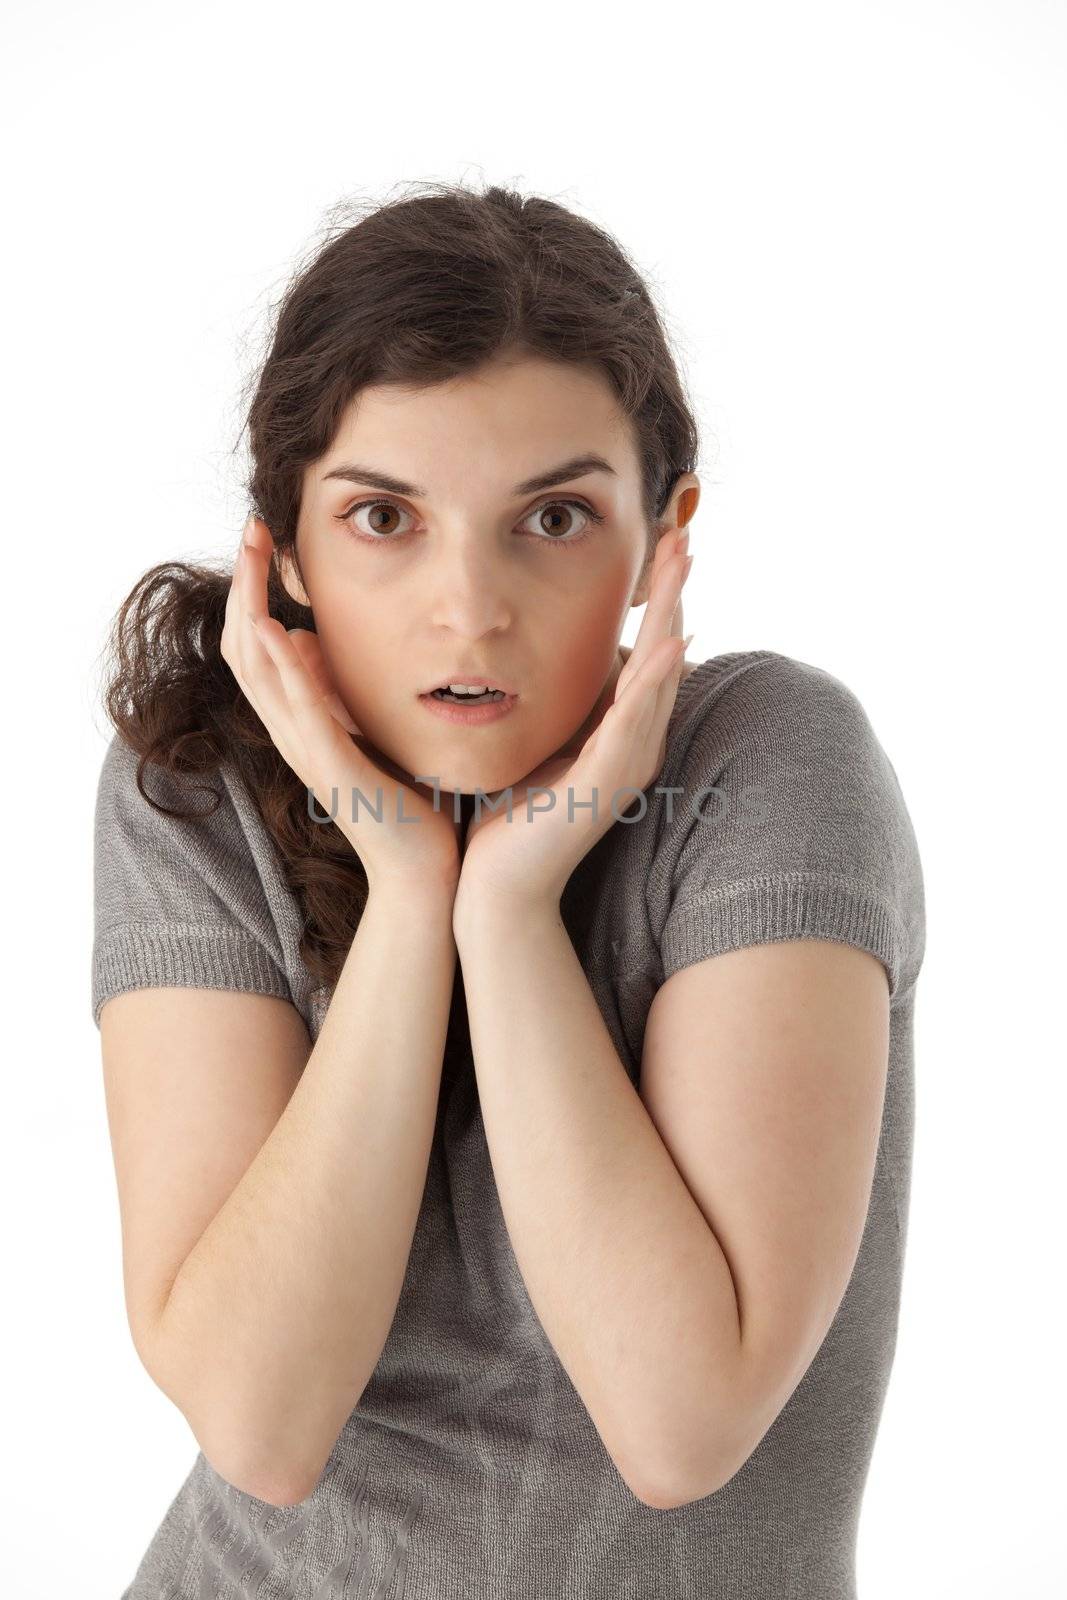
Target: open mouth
(469, 710)
(461, 699)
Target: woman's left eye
(557, 505)
(565, 538)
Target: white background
(853, 216)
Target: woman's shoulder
(147, 806)
(760, 716)
(762, 705)
(185, 881)
(783, 791)
(755, 678)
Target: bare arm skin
(276, 1316)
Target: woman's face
(458, 570)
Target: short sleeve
(177, 901)
(790, 824)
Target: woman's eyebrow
(576, 467)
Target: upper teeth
(468, 688)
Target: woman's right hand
(285, 678)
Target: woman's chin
(468, 775)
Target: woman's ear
(677, 514)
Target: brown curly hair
(418, 290)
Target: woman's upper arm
(764, 1071)
(791, 919)
(194, 1080)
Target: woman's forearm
(623, 1271)
(278, 1315)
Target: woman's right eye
(375, 534)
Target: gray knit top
(470, 1468)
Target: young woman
(513, 1194)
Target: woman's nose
(471, 599)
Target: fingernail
(687, 641)
(685, 569)
(683, 540)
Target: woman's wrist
(425, 890)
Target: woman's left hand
(529, 859)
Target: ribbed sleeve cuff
(150, 957)
(788, 906)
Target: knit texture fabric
(470, 1469)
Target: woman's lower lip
(469, 716)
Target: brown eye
(380, 527)
(555, 521)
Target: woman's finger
(647, 677)
(660, 560)
(235, 645)
(268, 647)
(309, 650)
(641, 730)
(308, 695)
(257, 673)
(668, 689)
(656, 622)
